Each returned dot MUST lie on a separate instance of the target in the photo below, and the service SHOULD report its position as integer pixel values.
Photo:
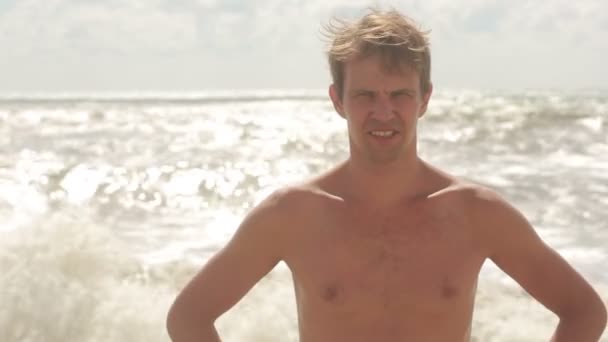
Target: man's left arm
(517, 249)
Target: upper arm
(252, 252)
(517, 249)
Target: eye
(401, 94)
(365, 95)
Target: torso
(407, 274)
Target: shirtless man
(384, 247)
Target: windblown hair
(395, 38)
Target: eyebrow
(404, 90)
(393, 92)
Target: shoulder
(291, 198)
(465, 192)
(495, 221)
(481, 203)
(486, 210)
(485, 203)
(282, 216)
(467, 195)
(474, 196)
(268, 226)
(287, 204)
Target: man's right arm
(254, 250)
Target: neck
(382, 184)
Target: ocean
(109, 203)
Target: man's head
(380, 66)
(394, 38)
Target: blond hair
(395, 38)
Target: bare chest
(423, 264)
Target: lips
(383, 133)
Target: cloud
(173, 26)
(276, 43)
(95, 27)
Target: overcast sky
(194, 45)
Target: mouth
(383, 133)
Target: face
(381, 108)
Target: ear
(336, 100)
(425, 100)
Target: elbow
(599, 315)
(597, 319)
(593, 317)
(184, 324)
(180, 324)
(172, 323)
(603, 316)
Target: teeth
(382, 133)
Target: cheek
(355, 122)
(358, 105)
(410, 109)
(355, 112)
(406, 104)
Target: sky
(200, 45)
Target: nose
(383, 109)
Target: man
(384, 247)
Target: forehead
(372, 72)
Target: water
(110, 203)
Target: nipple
(448, 291)
(330, 293)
